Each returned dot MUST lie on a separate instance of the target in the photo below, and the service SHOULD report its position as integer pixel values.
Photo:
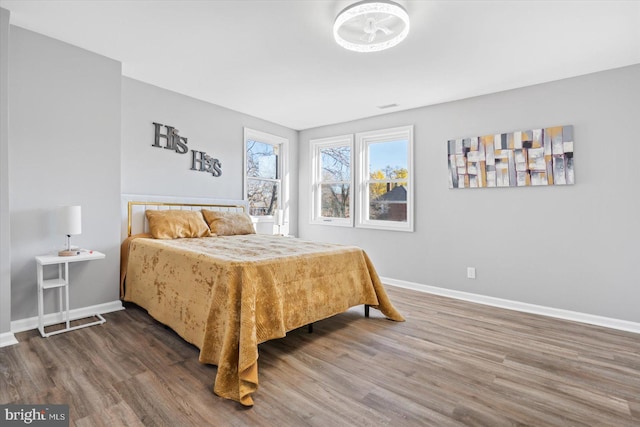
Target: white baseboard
(76, 313)
(7, 339)
(607, 322)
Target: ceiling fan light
(358, 16)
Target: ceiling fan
(371, 26)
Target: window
(265, 156)
(383, 191)
(331, 181)
(385, 198)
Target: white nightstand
(62, 283)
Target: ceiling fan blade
(384, 29)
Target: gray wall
(572, 248)
(64, 149)
(79, 133)
(5, 240)
(210, 128)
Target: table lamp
(69, 222)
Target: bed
(230, 292)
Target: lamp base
(67, 253)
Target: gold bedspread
(227, 294)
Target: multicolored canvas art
(516, 159)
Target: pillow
(228, 223)
(173, 224)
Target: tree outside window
(263, 172)
(263, 180)
(332, 180)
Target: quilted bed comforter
(228, 294)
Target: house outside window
(385, 199)
(265, 190)
(332, 181)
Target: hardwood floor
(452, 363)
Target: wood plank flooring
(452, 363)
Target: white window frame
(363, 141)
(316, 145)
(283, 172)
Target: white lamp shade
(70, 220)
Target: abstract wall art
(516, 159)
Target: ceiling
(277, 60)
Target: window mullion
(253, 178)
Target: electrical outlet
(471, 272)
